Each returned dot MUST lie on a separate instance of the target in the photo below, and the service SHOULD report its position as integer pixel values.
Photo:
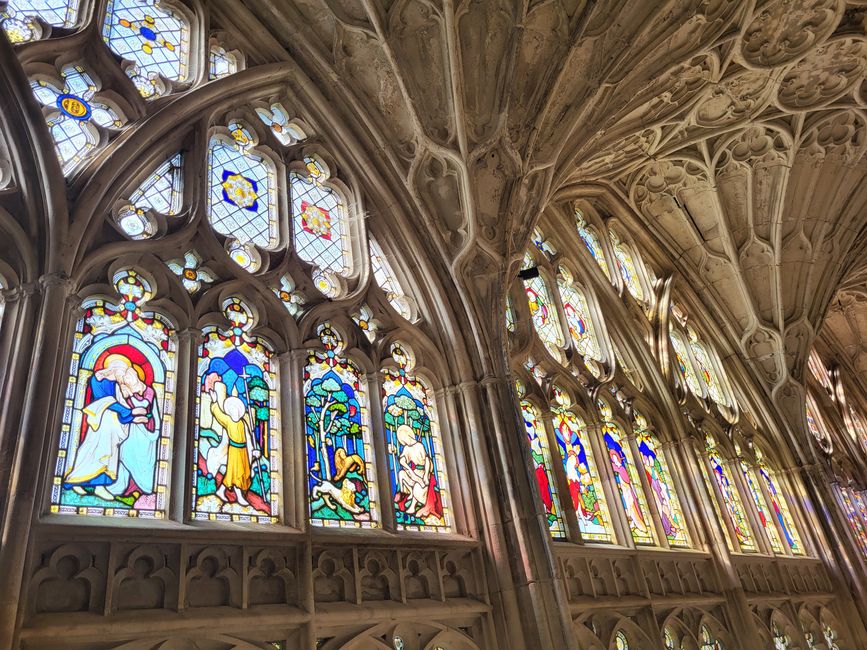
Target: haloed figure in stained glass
(111, 438)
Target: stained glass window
(242, 200)
(236, 468)
(626, 266)
(661, 485)
(708, 373)
(684, 365)
(74, 114)
(544, 314)
(585, 488)
(627, 479)
(731, 500)
(320, 219)
(153, 37)
(816, 425)
(363, 317)
(292, 299)
(543, 244)
(858, 527)
(118, 414)
(621, 642)
(193, 274)
(819, 370)
(244, 255)
(542, 468)
(221, 62)
(669, 639)
(510, 315)
(22, 19)
(591, 241)
(781, 639)
(277, 119)
(762, 507)
(781, 510)
(415, 448)
(340, 472)
(857, 426)
(160, 192)
(581, 329)
(830, 637)
(708, 641)
(385, 277)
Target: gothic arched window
(543, 311)
(626, 265)
(621, 641)
(320, 219)
(416, 461)
(816, 424)
(154, 37)
(76, 116)
(542, 468)
(160, 195)
(760, 502)
(591, 240)
(685, 369)
(709, 374)
(236, 450)
(727, 492)
(708, 641)
(780, 508)
(23, 20)
(582, 476)
(387, 280)
(242, 199)
(661, 484)
(341, 480)
(578, 319)
(626, 477)
(118, 416)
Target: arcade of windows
(605, 474)
(376, 454)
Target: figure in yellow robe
(229, 413)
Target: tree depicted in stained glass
(118, 414)
(591, 240)
(23, 20)
(627, 480)
(585, 488)
(761, 507)
(387, 280)
(242, 198)
(73, 114)
(729, 494)
(161, 193)
(237, 444)
(153, 37)
(319, 219)
(340, 473)
(542, 468)
(578, 320)
(661, 484)
(781, 510)
(415, 450)
(627, 268)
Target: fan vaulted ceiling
(735, 130)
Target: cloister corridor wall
(433, 324)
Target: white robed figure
(122, 432)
